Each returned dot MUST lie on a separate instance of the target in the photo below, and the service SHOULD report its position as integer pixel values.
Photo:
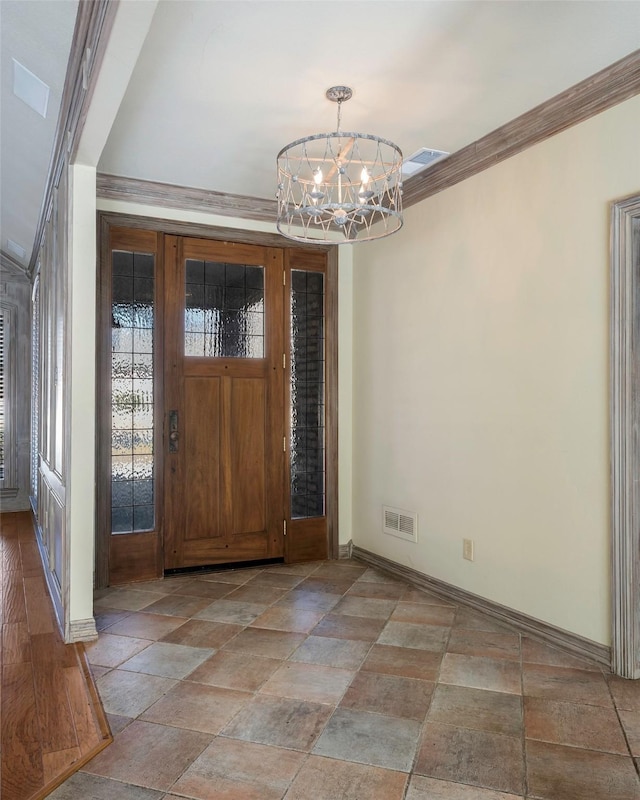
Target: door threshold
(206, 568)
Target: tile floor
(333, 681)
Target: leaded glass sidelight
(307, 445)
(132, 401)
(224, 310)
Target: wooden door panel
(248, 547)
(202, 467)
(306, 539)
(223, 367)
(225, 481)
(247, 458)
(229, 252)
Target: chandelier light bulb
(317, 177)
(364, 176)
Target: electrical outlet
(467, 549)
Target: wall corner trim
(571, 643)
(625, 447)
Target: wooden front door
(224, 403)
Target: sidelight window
(132, 396)
(307, 394)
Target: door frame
(625, 439)
(107, 220)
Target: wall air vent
(420, 160)
(400, 523)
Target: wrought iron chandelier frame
(339, 187)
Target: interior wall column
(81, 421)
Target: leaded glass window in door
(224, 310)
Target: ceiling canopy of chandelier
(340, 187)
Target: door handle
(174, 436)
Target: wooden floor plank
(16, 643)
(38, 604)
(54, 713)
(58, 762)
(87, 728)
(22, 771)
(30, 558)
(13, 603)
(11, 561)
(52, 721)
(9, 525)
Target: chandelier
(340, 187)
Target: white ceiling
(220, 87)
(38, 35)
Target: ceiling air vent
(16, 250)
(30, 89)
(420, 160)
(400, 523)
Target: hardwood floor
(52, 721)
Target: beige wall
(481, 376)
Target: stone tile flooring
(334, 681)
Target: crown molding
(186, 198)
(612, 85)
(94, 22)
